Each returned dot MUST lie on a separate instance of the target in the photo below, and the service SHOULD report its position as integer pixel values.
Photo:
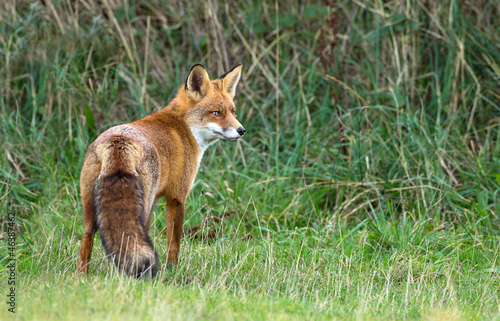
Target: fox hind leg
(88, 233)
(90, 172)
(148, 224)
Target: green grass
(300, 274)
(392, 215)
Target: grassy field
(367, 185)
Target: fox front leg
(175, 220)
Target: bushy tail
(119, 207)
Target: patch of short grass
(296, 274)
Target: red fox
(129, 167)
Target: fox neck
(204, 139)
(204, 135)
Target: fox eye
(216, 113)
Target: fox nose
(241, 131)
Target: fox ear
(197, 83)
(230, 80)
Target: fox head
(209, 111)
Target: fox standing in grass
(128, 167)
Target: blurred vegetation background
(356, 111)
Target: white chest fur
(204, 137)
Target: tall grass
(370, 125)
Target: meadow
(366, 187)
